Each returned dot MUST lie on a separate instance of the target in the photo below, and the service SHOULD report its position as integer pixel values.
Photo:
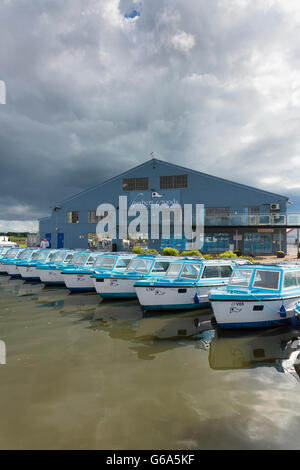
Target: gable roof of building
(171, 165)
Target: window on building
(173, 182)
(217, 211)
(92, 218)
(253, 210)
(73, 217)
(135, 184)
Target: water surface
(86, 374)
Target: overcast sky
(94, 86)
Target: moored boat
(80, 278)
(29, 269)
(121, 284)
(186, 284)
(12, 265)
(257, 296)
(11, 254)
(51, 273)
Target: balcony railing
(280, 220)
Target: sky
(93, 87)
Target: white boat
(51, 274)
(11, 254)
(121, 284)
(186, 284)
(29, 269)
(257, 296)
(80, 279)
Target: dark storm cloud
(90, 93)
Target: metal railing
(279, 220)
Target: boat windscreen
(25, 254)
(144, 266)
(160, 267)
(42, 256)
(266, 279)
(78, 259)
(51, 256)
(174, 269)
(132, 265)
(291, 279)
(11, 254)
(241, 277)
(123, 263)
(90, 261)
(108, 262)
(190, 271)
(59, 256)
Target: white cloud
(183, 41)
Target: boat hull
(51, 276)
(3, 268)
(29, 273)
(169, 298)
(12, 270)
(110, 288)
(79, 282)
(245, 313)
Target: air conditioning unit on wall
(275, 207)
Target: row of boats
(241, 294)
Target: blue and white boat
(51, 273)
(257, 296)
(11, 254)
(121, 284)
(29, 269)
(28, 254)
(186, 284)
(80, 278)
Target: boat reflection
(30, 288)
(152, 333)
(277, 347)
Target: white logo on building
(152, 221)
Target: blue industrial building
(236, 215)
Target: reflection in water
(85, 373)
(277, 347)
(152, 334)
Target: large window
(73, 217)
(220, 271)
(92, 218)
(135, 184)
(174, 270)
(266, 279)
(173, 182)
(160, 267)
(217, 211)
(190, 271)
(241, 277)
(291, 279)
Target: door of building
(60, 240)
(257, 243)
